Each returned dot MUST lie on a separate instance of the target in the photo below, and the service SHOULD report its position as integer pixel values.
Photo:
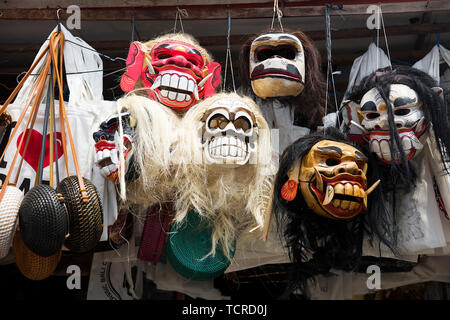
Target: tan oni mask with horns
(332, 180)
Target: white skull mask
(408, 117)
(229, 132)
(277, 65)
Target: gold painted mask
(332, 180)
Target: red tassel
(289, 190)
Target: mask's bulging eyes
(332, 162)
(287, 52)
(164, 56)
(242, 123)
(402, 112)
(218, 121)
(372, 115)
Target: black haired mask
(397, 108)
(320, 194)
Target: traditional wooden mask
(174, 73)
(407, 114)
(106, 142)
(332, 180)
(277, 65)
(230, 132)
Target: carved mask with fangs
(333, 180)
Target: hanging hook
(228, 56)
(180, 13)
(58, 18)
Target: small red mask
(174, 73)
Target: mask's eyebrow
(194, 51)
(263, 38)
(401, 101)
(332, 150)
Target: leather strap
(63, 115)
(40, 84)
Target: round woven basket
(43, 221)
(9, 208)
(85, 218)
(189, 243)
(31, 265)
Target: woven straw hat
(9, 208)
(31, 265)
(43, 221)
(85, 218)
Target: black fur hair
(434, 108)
(332, 243)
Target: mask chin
(277, 65)
(269, 87)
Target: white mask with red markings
(408, 117)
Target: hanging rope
(329, 64)
(278, 13)
(228, 57)
(380, 19)
(180, 13)
(385, 37)
(132, 25)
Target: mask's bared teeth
(339, 188)
(353, 205)
(328, 196)
(348, 189)
(357, 192)
(319, 181)
(345, 204)
(336, 203)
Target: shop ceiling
(412, 27)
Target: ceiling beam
(256, 9)
(420, 41)
(220, 40)
(339, 59)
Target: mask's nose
(383, 123)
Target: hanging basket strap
(37, 100)
(20, 85)
(63, 115)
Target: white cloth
(339, 285)
(430, 63)
(422, 227)
(373, 59)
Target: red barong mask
(175, 73)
